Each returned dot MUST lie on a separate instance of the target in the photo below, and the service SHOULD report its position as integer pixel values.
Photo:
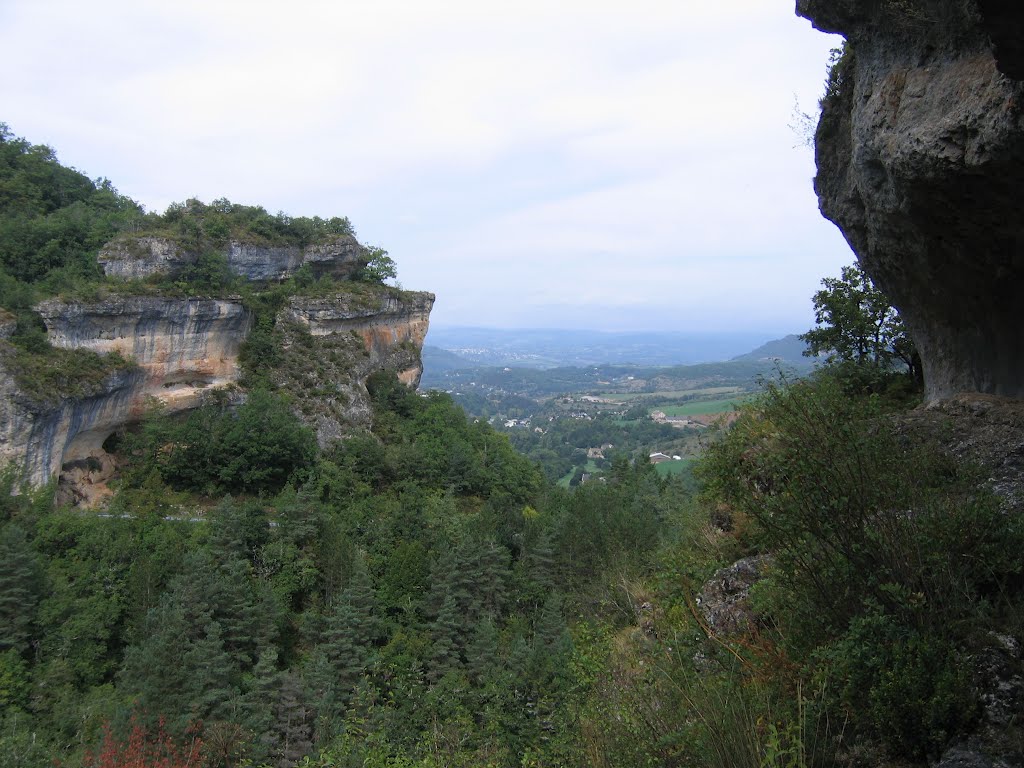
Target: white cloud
(499, 151)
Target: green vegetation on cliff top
(54, 220)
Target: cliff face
(138, 257)
(187, 348)
(332, 344)
(920, 154)
(401, 323)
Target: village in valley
(577, 421)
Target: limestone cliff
(186, 348)
(920, 153)
(331, 344)
(130, 258)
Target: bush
(890, 555)
(256, 448)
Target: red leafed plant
(146, 749)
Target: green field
(702, 406)
(623, 397)
(667, 468)
(589, 467)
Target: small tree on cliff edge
(379, 268)
(856, 324)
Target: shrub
(256, 448)
(889, 553)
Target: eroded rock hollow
(920, 153)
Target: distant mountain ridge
(554, 348)
(790, 348)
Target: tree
(19, 589)
(857, 324)
(379, 268)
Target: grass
(590, 466)
(702, 406)
(680, 467)
(49, 376)
(623, 397)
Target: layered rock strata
(133, 258)
(184, 349)
(920, 153)
(332, 344)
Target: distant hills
(539, 363)
(789, 348)
(553, 348)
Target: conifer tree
(290, 738)
(352, 632)
(179, 668)
(482, 652)
(19, 589)
(445, 631)
(257, 705)
(345, 656)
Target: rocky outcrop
(131, 258)
(385, 323)
(183, 348)
(186, 349)
(333, 343)
(724, 600)
(920, 153)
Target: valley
(577, 421)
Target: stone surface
(134, 258)
(920, 155)
(398, 319)
(185, 350)
(340, 258)
(332, 344)
(725, 599)
(985, 430)
(131, 258)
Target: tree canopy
(856, 323)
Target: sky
(572, 164)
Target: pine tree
(179, 668)
(359, 593)
(482, 652)
(290, 737)
(350, 639)
(345, 655)
(19, 589)
(445, 650)
(257, 704)
(492, 574)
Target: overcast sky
(584, 164)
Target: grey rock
(920, 156)
(134, 258)
(187, 349)
(350, 335)
(725, 599)
(130, 258)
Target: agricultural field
(697, 407)
(624, 397)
